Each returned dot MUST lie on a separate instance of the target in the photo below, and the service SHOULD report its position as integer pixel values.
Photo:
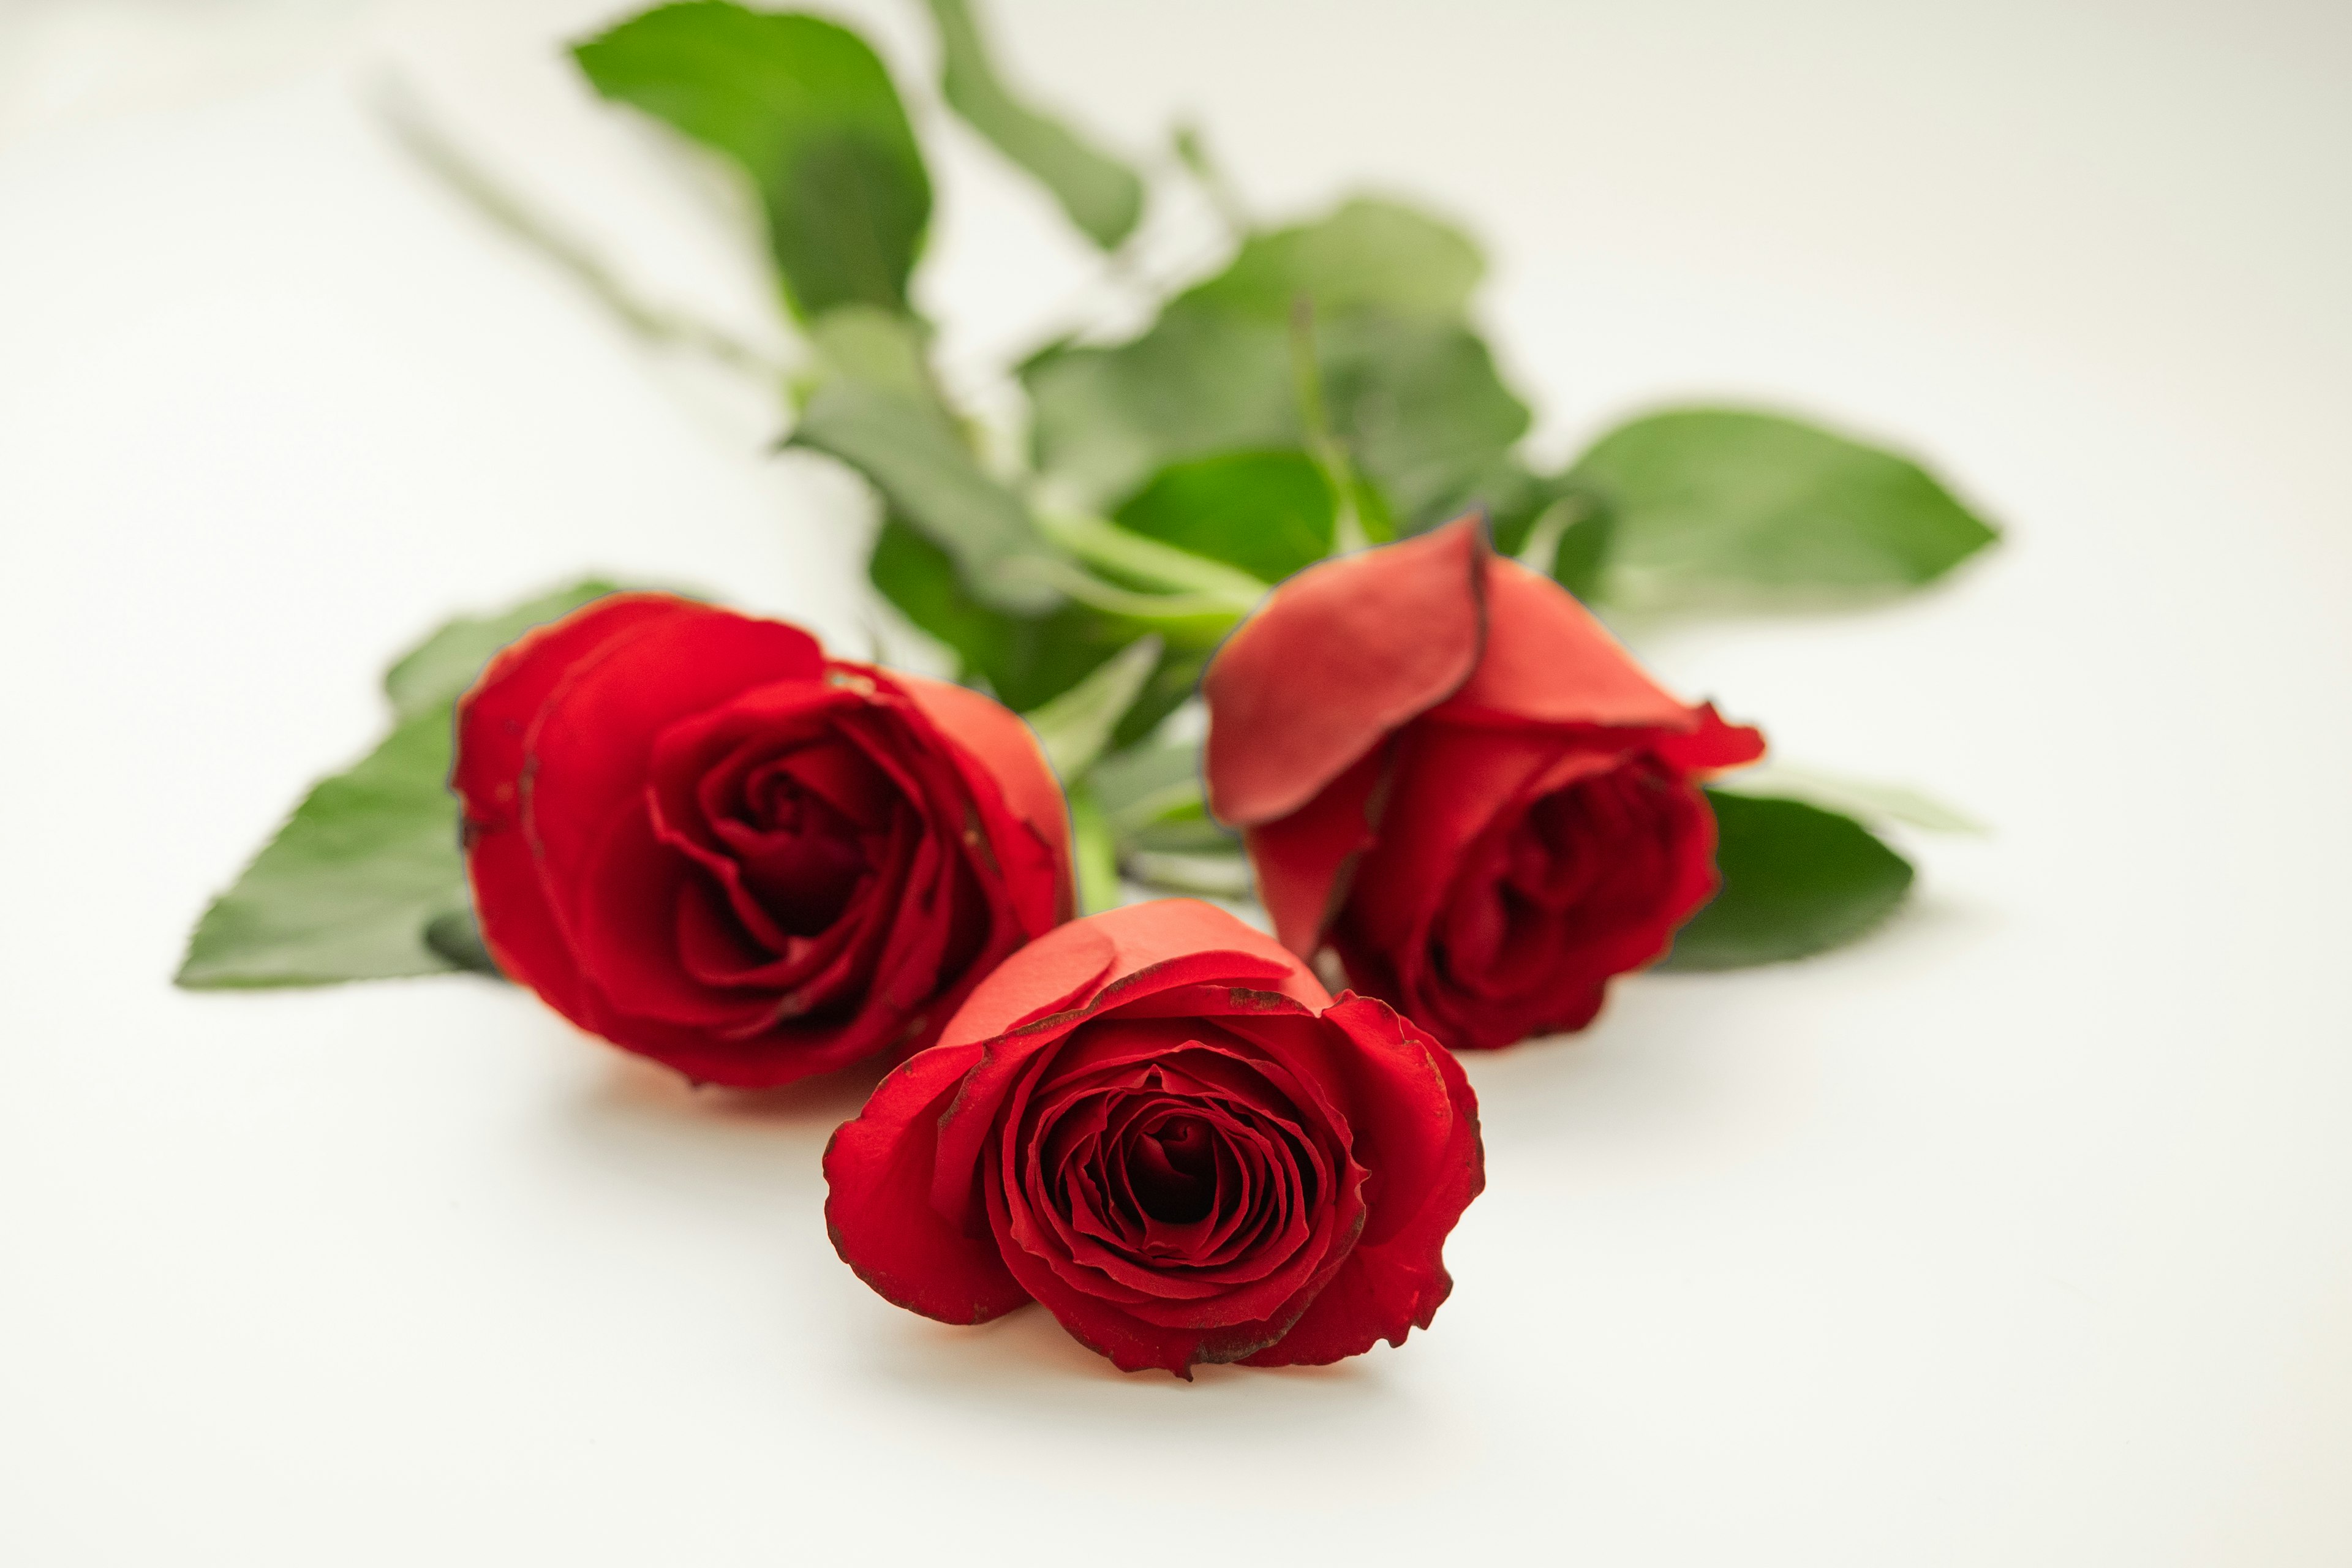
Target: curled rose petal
(1336, 659)
(1487, 851)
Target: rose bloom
(1158, 1123)
(693, 834)
(1447, 771)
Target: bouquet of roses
(1267, 608)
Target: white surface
(2021, 1235)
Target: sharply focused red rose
(693, 834)
(1452, 775)
(1159, 1124)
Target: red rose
(1450, 772)
(693, 834)
(1159, 1124)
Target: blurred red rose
(1159, 1124)
(1446, 770)
(693, 834)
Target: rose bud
(693, 834)
(1157, 1122)
(1447, 771)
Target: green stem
(1093, 854)
(1541, 547)
(1101, 542)
(1205, 614)
(438, 152)
(1193, 153)
(1330, 454)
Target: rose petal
(590, 749)
(1184, 941)
(493, 719)
(1395, 1278)
(994, 738)
(1448, 783)
(1336, 657)
(879, 1171)
(1549, 660)
(1714, 744)
(1305, 861)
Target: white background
(2020, 1235)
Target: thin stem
(1193, 151)
(1102, 543)
(1093, 854)
(1330, 454)
(1542, 544)
(413, 128)
(1216, 610)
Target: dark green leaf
(349, 884)
(1269, 513)
(1171, 686)
(458, 937)
(1026, 660)
(934, 485)
(1075, 728)
(1582, 557)
(1796, 880)
(1103, 196)
(1716, 505)
(437, 671)
(1513, 498)
(808, 110)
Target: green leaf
(1267, 512)
(1073, 728)
(881, 349)
(364, 881)
(1580, 559)
(1026, 660)
(1421, 408)
(1200, 382)
(1568, 538)
(1416, 403)
(1719, 505)
(1102, 195)
(933, 484)
(437, 672)
(458, 937)
(1093, 856)
(1408, 389)
(349, 884)
(1369, 255)
(808, 110)
(1796, 880)
(1224, 874)
(1148, 783)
